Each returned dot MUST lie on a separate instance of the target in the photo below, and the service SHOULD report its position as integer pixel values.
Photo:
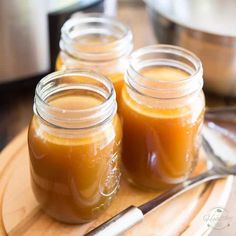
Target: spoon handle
(179, 189)
(132, 215)
(225, 113)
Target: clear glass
(97, 42)
(74, 145)
(162, 110)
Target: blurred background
(30, 33)
(29, 44)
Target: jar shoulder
(102, 135)
(162, 108)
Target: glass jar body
(113, 69)
(75, 178)
(96, 42)
(74, 143)
(160, 146)
(162, 109)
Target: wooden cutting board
(21, 215)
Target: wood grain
(16, 109)
(21, 215)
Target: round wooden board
(21, 215)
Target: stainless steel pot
(29, 34)
(24, 48)
(205, 27)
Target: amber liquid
(160, 146)
(94, 44)
(74, 177)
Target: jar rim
(102, 111)
(190, 84)
(122, 45)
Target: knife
(135, 214)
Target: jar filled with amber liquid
(74, 142)
(97, 42)
(162, 109)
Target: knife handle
(119, 223)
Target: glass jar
(97, 42)
(74, 144)
(162, 110)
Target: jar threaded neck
(79, 32)
(164, 56)
(81, 81)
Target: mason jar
(98, 42)
(74, 144)
(162, 110)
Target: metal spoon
(224, 113)
(221, 168)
